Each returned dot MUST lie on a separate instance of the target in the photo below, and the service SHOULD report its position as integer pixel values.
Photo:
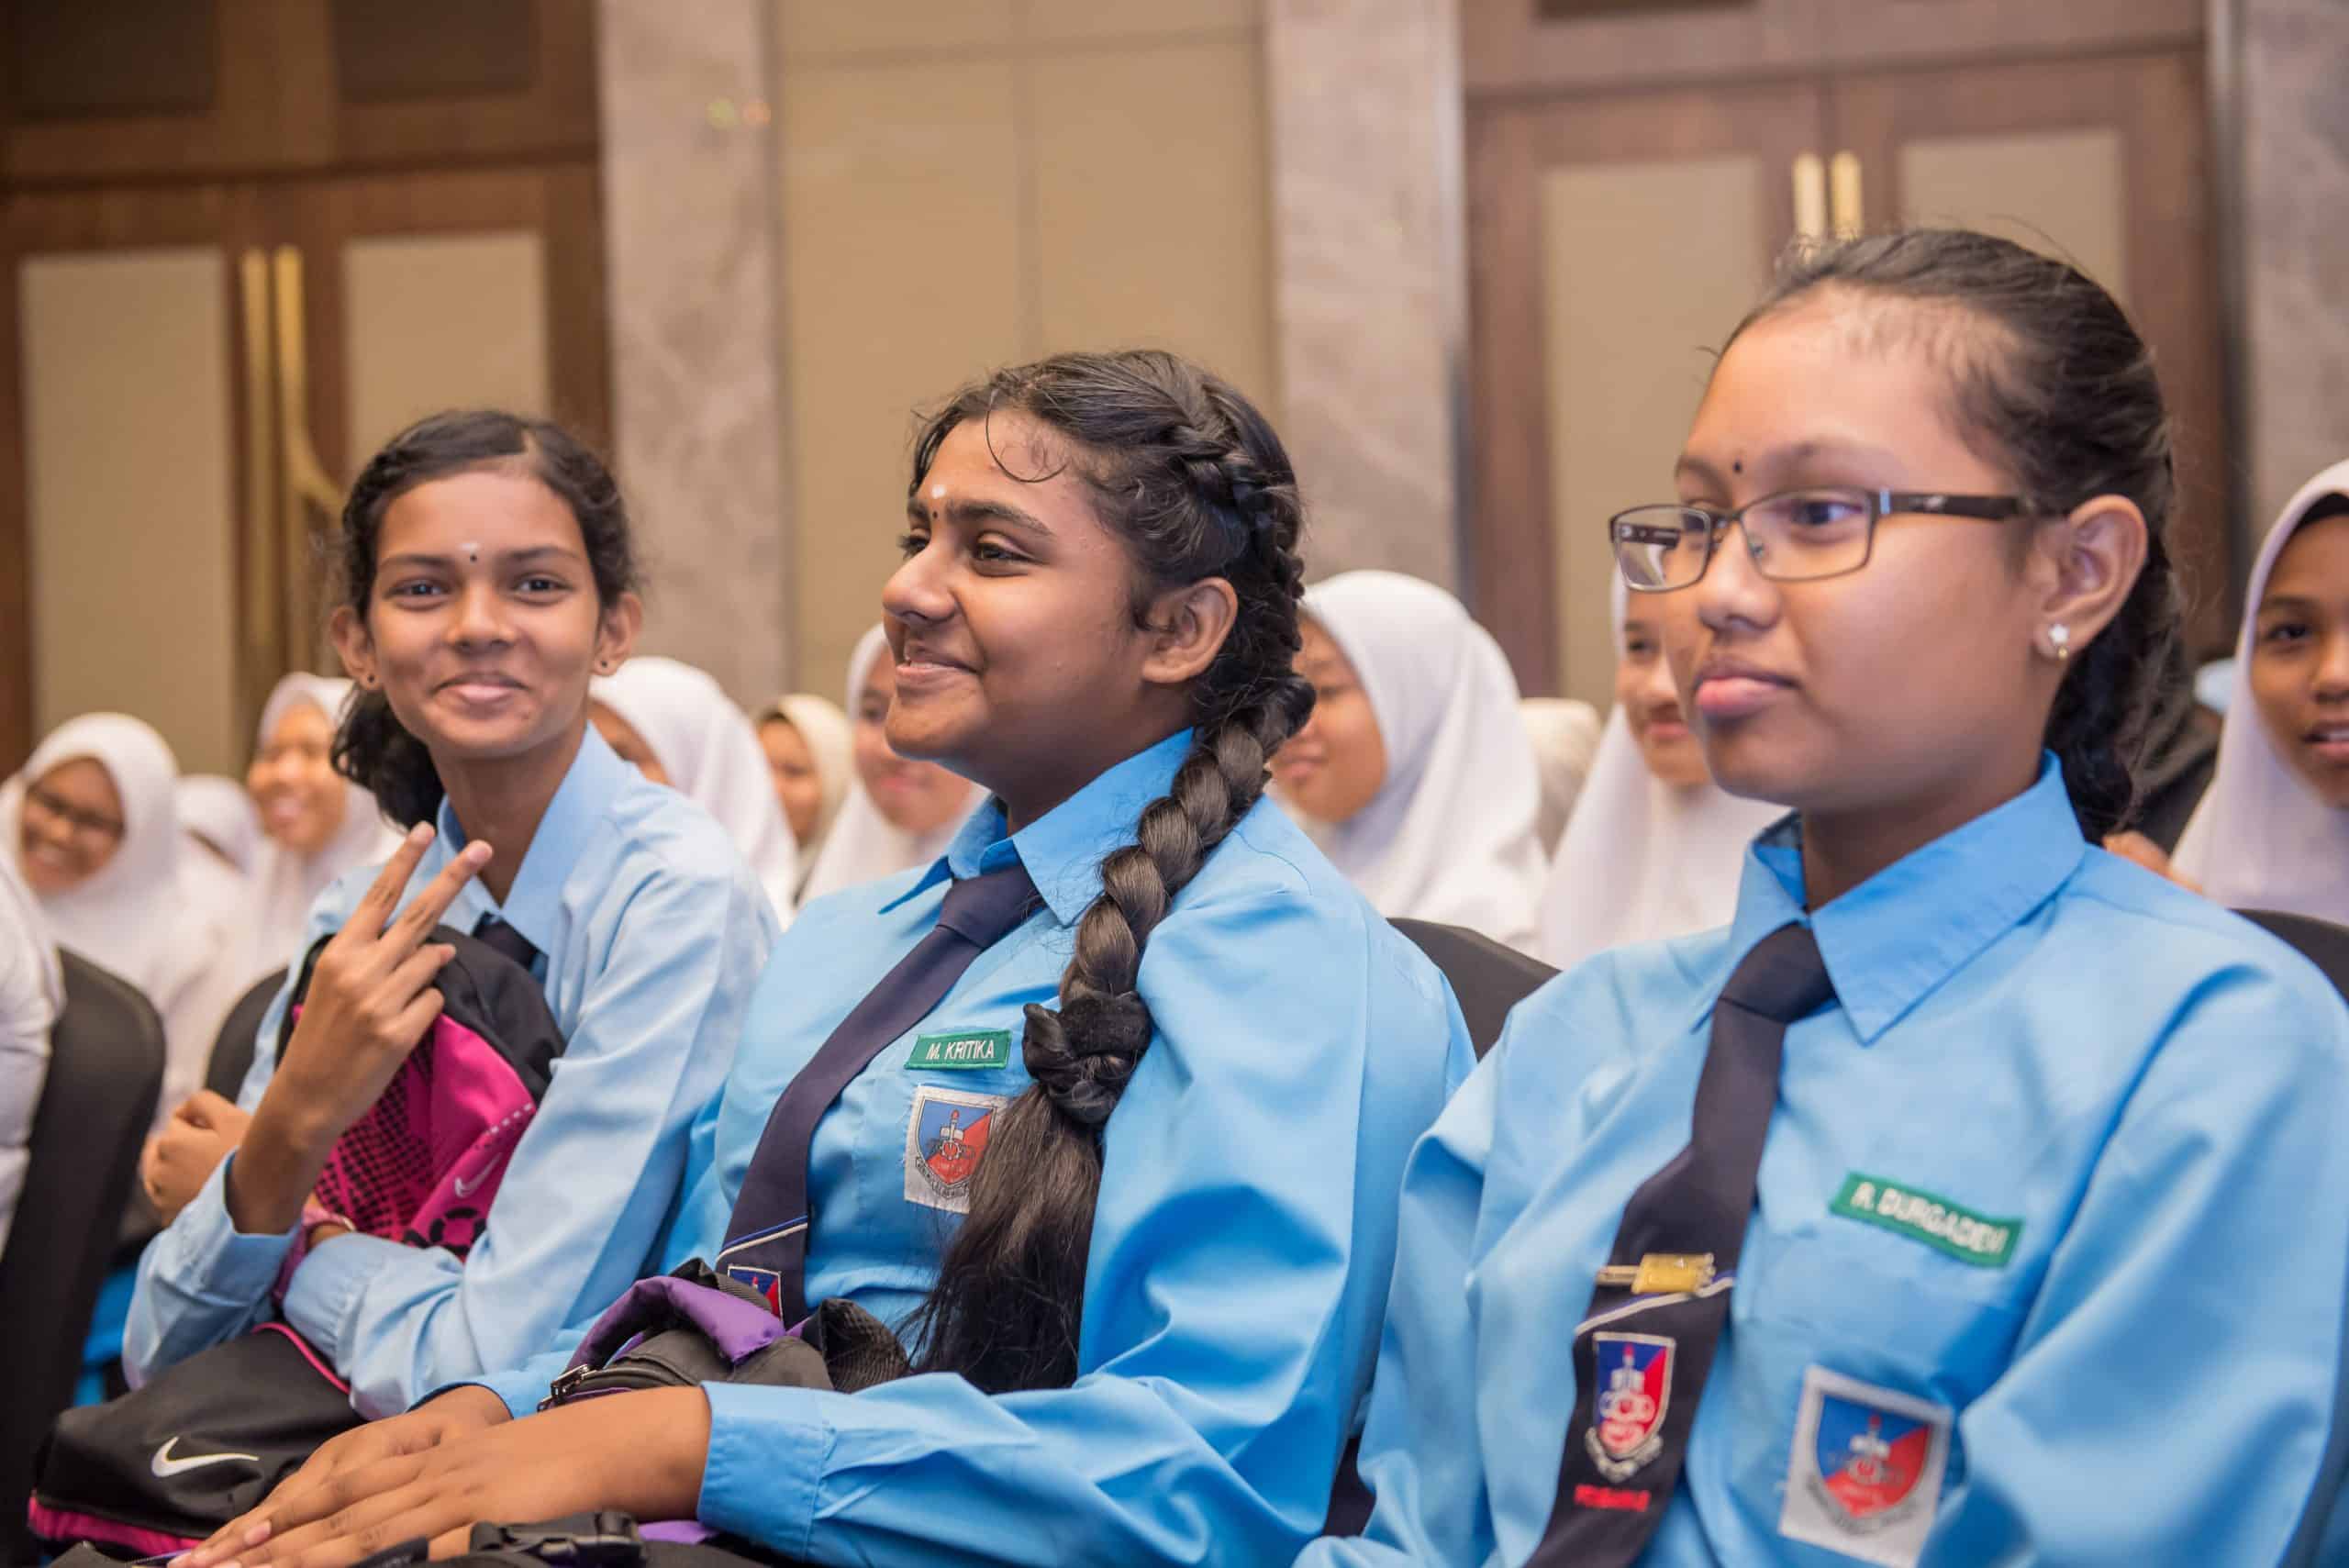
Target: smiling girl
(1973, 1197)
(1105, 1108)
(1653, 847)
(489, 572)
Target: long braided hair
(1190, 477)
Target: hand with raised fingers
(370, 1001)
(638, 1453)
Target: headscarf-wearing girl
(316, 825)
(91, 823)
(1139, 1253)
(488, 570)
(1564, 734)
(1414, 774)
(901, 811)
(1913, 1217)
(219, 814)
(2273, 830)
(680, 721)
(1654, 847)
(810, 756)
(32, 992)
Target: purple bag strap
(736, 1326)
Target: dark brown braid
(1190, 475)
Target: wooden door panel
(2144, 115)
(1517, 398)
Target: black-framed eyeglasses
(1795, 535)
(62, 810)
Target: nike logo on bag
(165, 1466)
(465, 1191)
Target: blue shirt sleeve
(2211, 1221)
(583, 1197)
(1420, 1450)
(1241, 1248)
(202, 1281)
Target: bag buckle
(565, 1382)
(581, 1540)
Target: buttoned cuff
(768, 1448)
(326, 1288)
(205, 1255)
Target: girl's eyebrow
(977, 514)
(523, 556)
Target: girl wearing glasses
(92, 828)
(1953, 1203)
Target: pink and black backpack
(421, 1166)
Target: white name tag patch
(946, 1135)
(1865, 1478)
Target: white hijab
(285, 883)
(218, 811)
(141, 915)
(864, 844)
(712, 756)
(1565, 737)
(2259, 839)
(1642, 859)
(1450, 836)
(831, 745)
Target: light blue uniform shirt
(2102, 1269)
(1242, 1245)
(652, 933)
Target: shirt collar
(1889, 941)
(596, 778)
(1062, 850)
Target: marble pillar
(2294, 130)
(1370, 292)
(690, 227)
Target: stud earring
(2059, 637)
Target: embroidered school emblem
(1634, 1390)
(946, 1135)
(1865, 1474)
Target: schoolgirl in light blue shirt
(490, 572)
(1143, 1314)
(2045, 1254)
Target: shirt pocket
(1882, 1306)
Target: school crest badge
(946, 1137)
(1634, 1373)
(1865, 1478)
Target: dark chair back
(105, 1071)
(232, 1049)
(2321, 942)
(1488, 978)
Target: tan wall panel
(128, 424)
(1068, 19)
(1632, 309)
(818, 29)
(1144, 237)
(442, 321)
(2063, 191)
(903, 255)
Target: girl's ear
(616, 632)
(2086, 563)
(349, 629)
(1187, 626)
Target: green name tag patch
(966, 1051)
(1970, 1238)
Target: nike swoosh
(165, 1466)
(465, 1191)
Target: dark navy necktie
(505, 938)
(766, 1238)
(1643, 1349)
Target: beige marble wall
(2294, 57)
(1369, 292)
(690, 228)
